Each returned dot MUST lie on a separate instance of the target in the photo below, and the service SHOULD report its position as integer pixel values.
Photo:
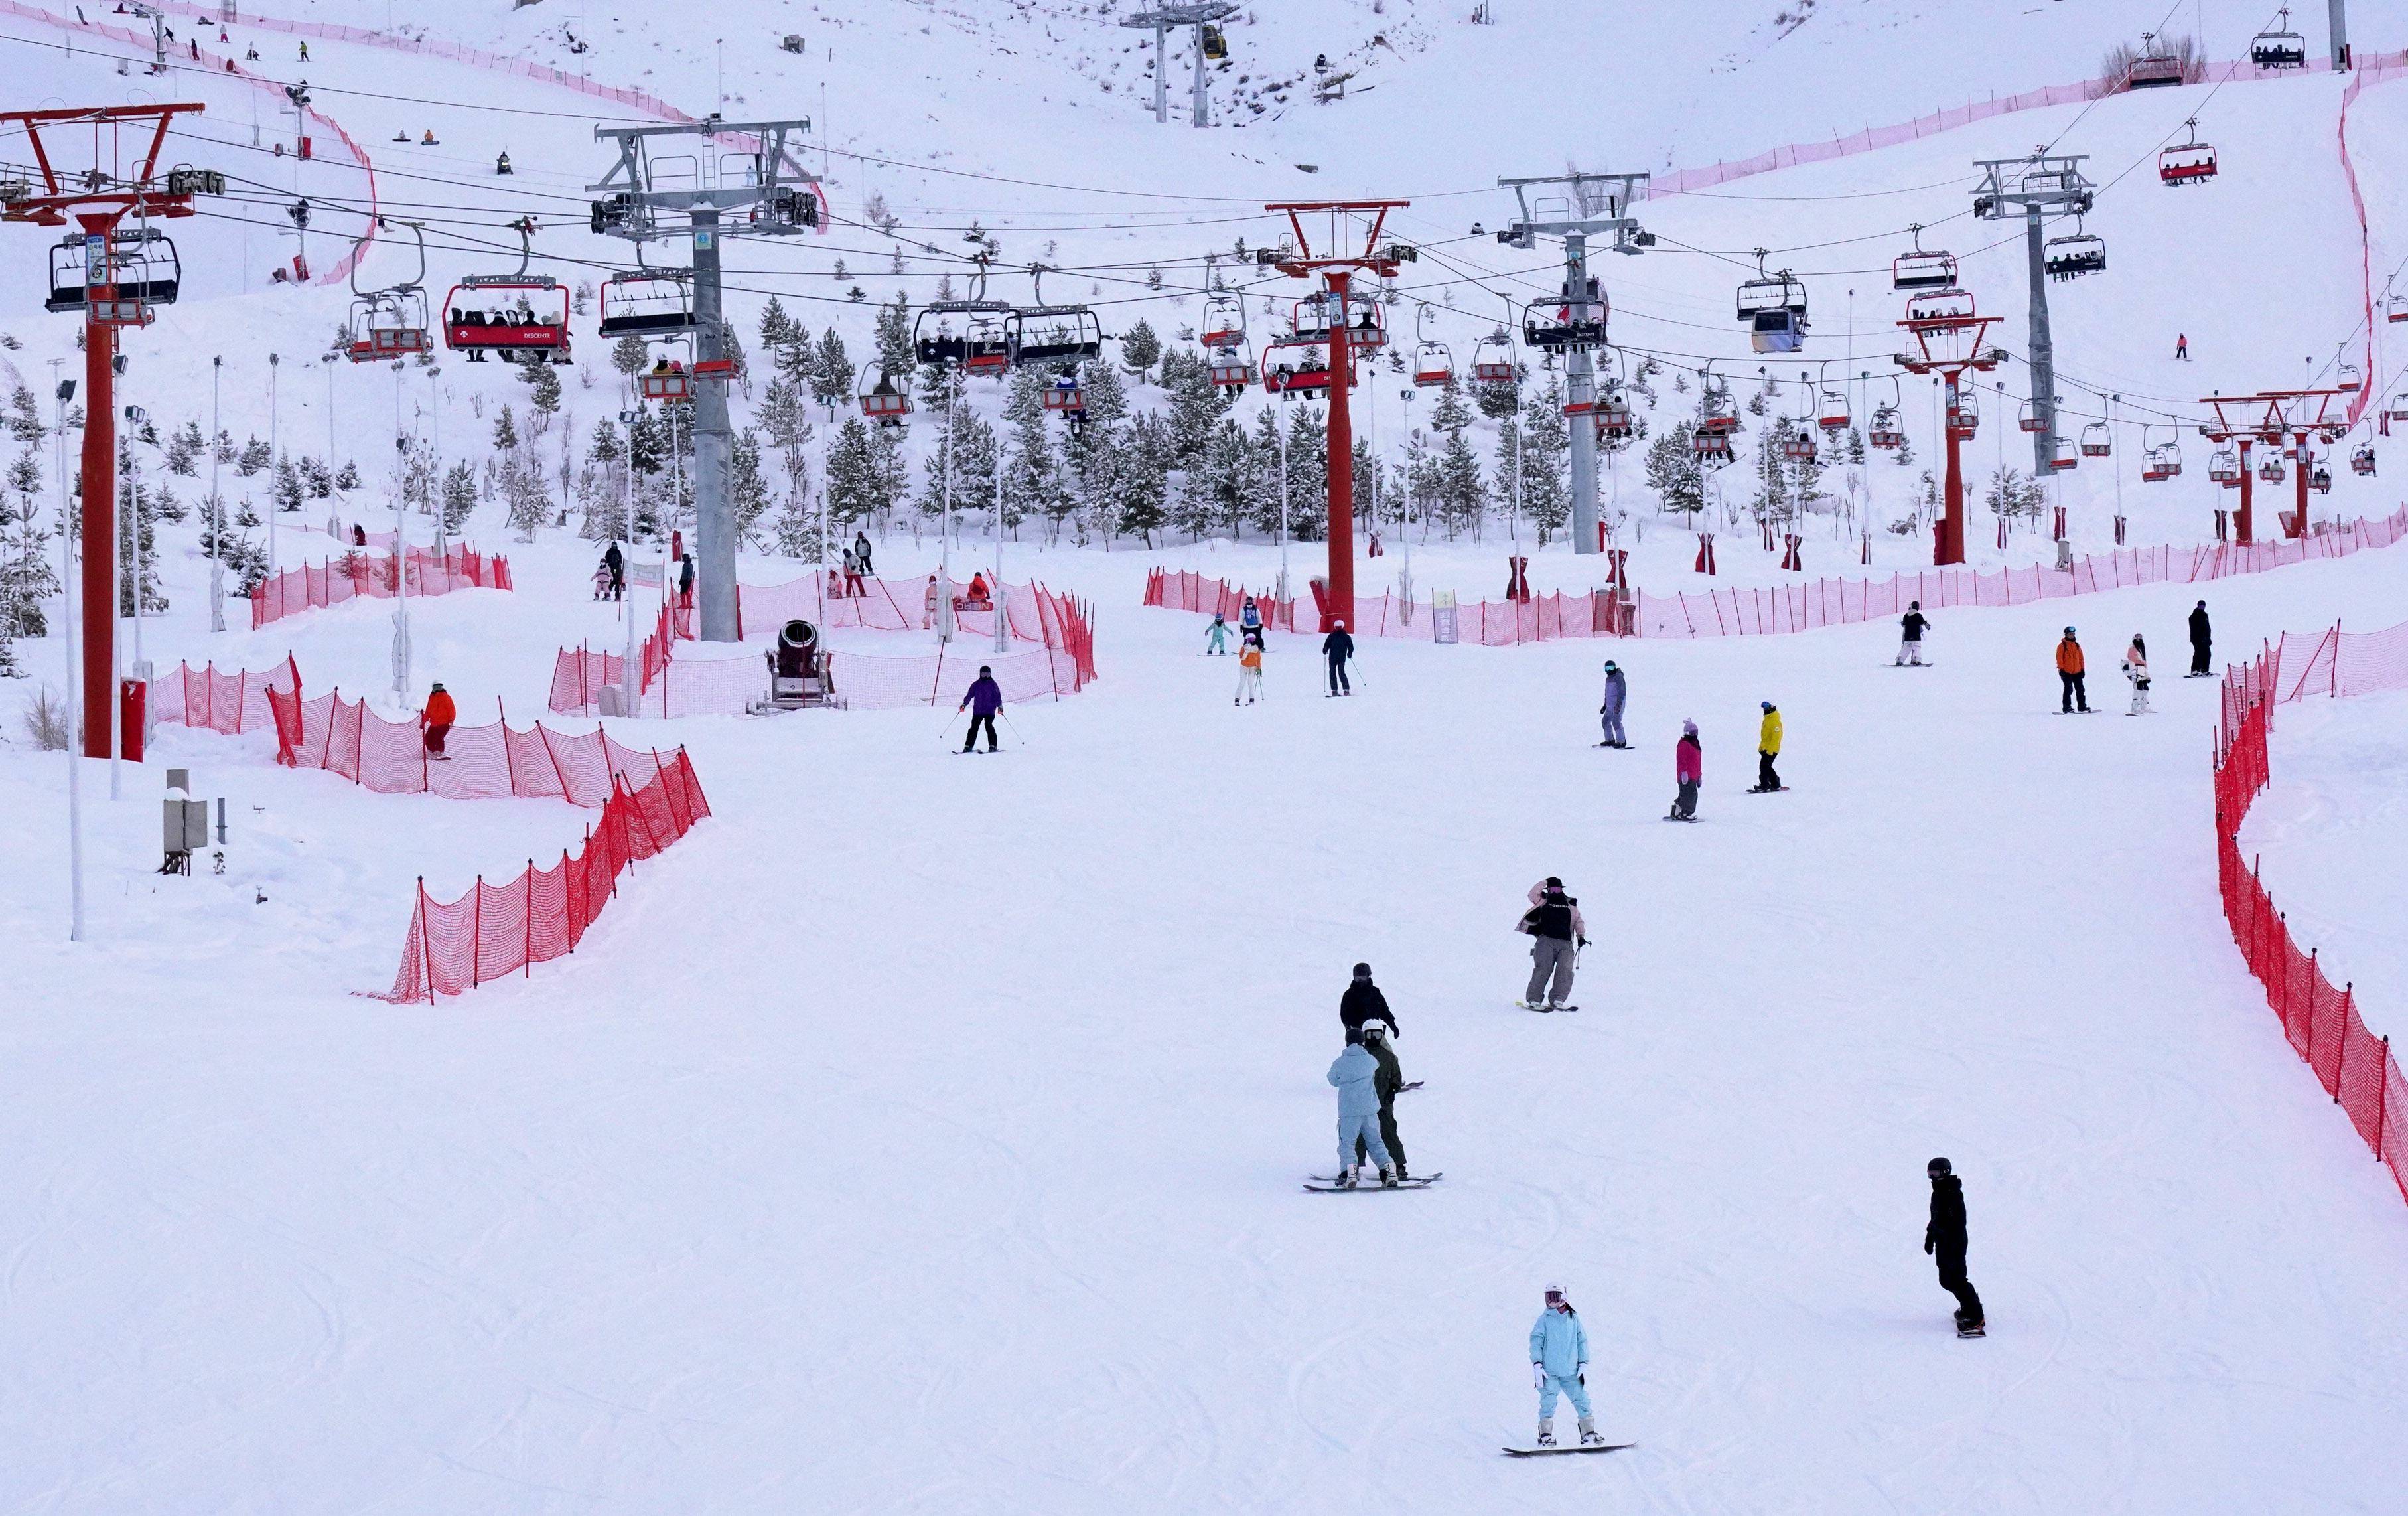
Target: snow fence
(1054, 634)
(1772, 609)
(358, 575)
(2355, 1067)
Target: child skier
(1558, 1353)
(1616, 692)
(1689, 768)
(1390, 1079)
(437, 719)
(1911, 627)
(2136, 669)
(984, 699)
(1768, 747)
(1358, 1112)
(1216, 638)
(1554, 922)
(1250, 675)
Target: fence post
(425, 941)
(2382, 1096)
(527, 948)
(477, 932)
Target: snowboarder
(1250, 675)
(1338, 647)
(2182, 347)
(1358, 1112)
(1558, 934)
(426, 138)
(2200, 641)
(685, 581)
(616, 562)
(1689, 768)
(980, 600)
(861, 551)
(1216, 638)
(1558, 1353)
(436, 720)
(983, 700)
(1617, 693)
(1911, 627)
(1364, 1003)
(2136, 669)
(502, 164)
(2069, 673)
(1945, 1240)
(304, 52)
(1390, 1079)
(1768, 747)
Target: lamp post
(274, 505)
(62, 391)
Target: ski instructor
(1558, 1353)
(983, 700)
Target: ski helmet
(1609, 666)
(1363, 971)
(1689, 725)
(1937, 1168)
(1555, 1294)
(1375, 1032)
(1767, 704)
(984, 670)
(2069, 632)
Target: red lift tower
(115, 278)
(1349, 224)
(1948, 336)
(2269, 416)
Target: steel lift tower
(1948, 336)
(1199, 14)
(116, 279)
(734, 179)
(2045, 186)
(1592, 205)
(1350, 225)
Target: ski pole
(1018, 741)
(946, 736)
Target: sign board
(1442, 625)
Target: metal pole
(2043, 352)
(945, 522)
(1580, 391)
(630, 678)
(99, 532)
(400, 548)
(1281, 594)
(1952, 524)
(217, 508)
(75, 703)
(996, 596)
(274, 505)
(714, 528)
(1161, 76)
(2244, 520)
(1203, 115)
(1342, 458)
(2299, 523)
(2337, 15)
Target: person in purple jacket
(1689, 768)
(985, 698)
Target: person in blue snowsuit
(984, 698)
(1617, 694)
(1558, 1353)
(1355, 1073)
(1216, 638)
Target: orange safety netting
(2355, 1067)
(358, 573)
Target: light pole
(274, 505)
(217, 507)
(996, 596)
(945, 522)
(62, 391)
(1279, 596)
(631, 676)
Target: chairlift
(883, 400)
(2071, 257)
(2028, 417)
(1064, 397)
(2164, 463)
(2271, 469)
(2346, 377)
(647, 303)
(1964, 416)
(119, 279)
(1433, 365)
(1231, 368)
(1058, 334)
(978, 346)
(2224, 468)
(1711, 446)
(1367, 325)
(1921, 269)
(1948, 305)
(2187, 163)
(1798, 447)
(1296, 365)
(2320, 479)
(2399, 410)
(2154, 68)
(2279, 47)
(521, 315)
(2395, 307)
(2063, 454)
(389, 322)
(1492, 361)
(667, 380)
(2362, 460)
(1885, 432)
(1773, 306)
(1614, 418)
(1717, 413)
(1225, 320)
(2096, 442)
(1832, 414)
(1567, 326)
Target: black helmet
(984, 669)
(1362, 971)
(1937, 1168)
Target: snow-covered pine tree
(1673, 471)
(1141, 349)
(1462, 491)
(891, 336)
(832, 371)
(748, 487)
(1546, 461)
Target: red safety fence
(357, 574)
(226, 703)
(2355, 1067)
(543, 914)
(1774, 609)
(1054, 632)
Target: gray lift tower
(728, 179)
(1573, 325)
(2047, 185)
(1199, 14)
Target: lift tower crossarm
(2266, 417)
(2036, 188)
(1592, 205)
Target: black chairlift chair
(977, 345)
(1561, 326)
(123, 286)
(1054, 334)
(2071, 257)
(2279, 47)
(647, 303)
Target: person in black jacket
(2200, 641)
(1338, 647)
(1364, 1003)
(1390, 1079)
(1945, 1240)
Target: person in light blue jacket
(1558, 1353)
(1358, 1112)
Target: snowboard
(1328, 1186)
(1688, 819)
(1543, 1010)
(1980, 1331)
(1777, 789)
(2087, 710)
(1569, 1446)
(1617, 746)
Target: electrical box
(611, 700)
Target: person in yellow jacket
(1768, 747)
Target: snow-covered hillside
(924, 1136)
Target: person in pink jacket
(1689, 768)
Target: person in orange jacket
(437, 718)
(2069, 673)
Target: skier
(1250, 675)
(837, 581)
(1364, 1003)
(1768, 747)
(1250, 620)
(1911, 627)
(437, 719)
(861, 549)
(1558, 934)
(2136, 669)
(1390, 1079)
(1945, 1240)
(1338, 647)
(983, 700)
(2200, 641)
(2182, 347)
(1358, 1112)
(1689, 768)
(1616, 693)
(856, 563)
(685, 581)
(1558, 1353)
(502, 164)
(2069, 673)
(616, 562)
(304, 52)
(1216, 638)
